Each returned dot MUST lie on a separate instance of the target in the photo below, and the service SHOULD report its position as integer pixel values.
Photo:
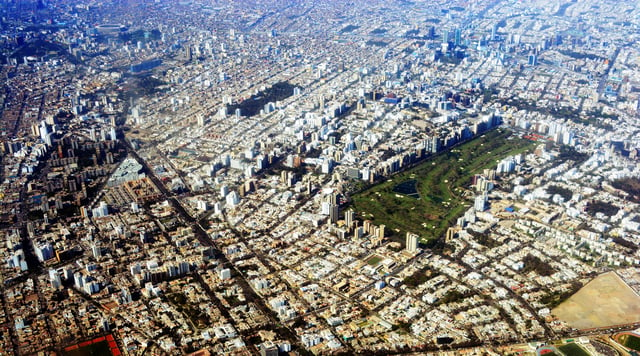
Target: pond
(408, 188)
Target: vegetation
(376, 43)
(403, 327)
(98, 348)
(533, 263)
(568, 153)
(592, 118)
(440, 185)
(253, 105)
(483, 238)
(140, 35)
(629, 185)
(349, 28)
(580, 55)
(407, 188)
(411, 33)
(40, 48)
(630, 341)
(450, 60)
(379, 31)
(489, 93)
(419, 277)
(573, 349)
(565, 193)
(197, 317)
(140, 86)
(606, 208)
(563, 9)
(554, 299)
(35, 214)
(626, 243)
(374, 260)
(453, 296)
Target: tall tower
(188, 54)
(445, 36)
(348, 217)
(411, 242)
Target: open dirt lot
(605, 301)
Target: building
(412, 242)
(348, 217)
(44, 252)
(480, 203)
(334, 211)
(269, 349)
(225, 274)
(54, 277)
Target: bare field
(605, 301)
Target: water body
(408, 188)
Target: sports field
(572, 349)
(428, 198)
(605, 301)
(629, 340)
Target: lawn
(573, 349)
(440, 184)
(374, 260)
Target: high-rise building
(268, 349)
(44, 251)
(451, 233)
(188, 53)
(333, 213)
(445, 36)
(96, 250)
(55, 279)
(348, 217)
(411, 242)
(432, 32)
(480, 203)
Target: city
(320, 177)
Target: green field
(630, 341)
(374, 260)
(441, 182)
(573, 349)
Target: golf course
(428, 198)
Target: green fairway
(441, 181)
